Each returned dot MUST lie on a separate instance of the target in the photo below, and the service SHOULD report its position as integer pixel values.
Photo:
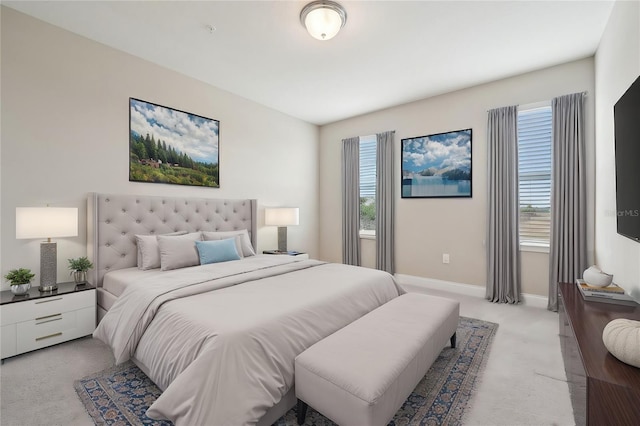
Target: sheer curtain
(384, 202)
(568, 249)
(351, 201)
(503, 251)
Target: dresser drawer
(45, 307)
(57, 328)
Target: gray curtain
(384, 202)
(568, 246)
(503, 242)
(351, 201)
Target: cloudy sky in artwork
(444, 150)
(188, 133)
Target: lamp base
(45, 288)
(282, 238)
(48, 266)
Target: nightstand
(297, 254)
(37, 320)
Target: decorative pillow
(148, 250)
(213, 236)
(217, 251)
(178, 251)
(247, 248)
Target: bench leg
(302, 411)
(453, 340)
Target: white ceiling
(388, 53)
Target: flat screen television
(627, 132)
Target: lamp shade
(281, 216)
(46, 222)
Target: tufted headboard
(113, 220)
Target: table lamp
(47, 222)
(281, 217)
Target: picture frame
(437, 165)
(171, 146)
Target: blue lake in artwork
(435, 186)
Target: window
(367, 185)
(534, 175)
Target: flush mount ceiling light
(323, 18)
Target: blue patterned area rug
(122, 394)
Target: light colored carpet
(523, 382)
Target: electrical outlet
(445, 258)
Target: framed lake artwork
(437, 166)
(170, 146)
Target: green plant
(19, 276)
(81, 264)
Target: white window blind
(534, 175)
(368, 183)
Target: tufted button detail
(106, 268)
(107, 245)
(137, 201)
(122, 255)
(123, 233)
(152, 231)
(163, 201)
(106, 200)
(164, 221)
(107, 221)
(124, 211)
(150, 211)
(137, 220)
(175, 211)
(207, 221)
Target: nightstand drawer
(45, 307)
(55, 328)
(8, 336)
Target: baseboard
(532, 300)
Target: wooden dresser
(604, 390)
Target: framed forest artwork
(437, 166)
(172, 146)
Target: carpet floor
(122, 394)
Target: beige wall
(65, 127)
(426, 228)
(617, 65)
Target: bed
(219, 339)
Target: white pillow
(148, 250)
(247, 248)
(216, 237)
(179, 251)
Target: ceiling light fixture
(323, 18)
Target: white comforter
(225, 357)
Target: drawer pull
(49, 336)
(51, 320)
(48, 300)
(48, 316)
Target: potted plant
(79, 268)
(20, 280)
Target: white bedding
(223, 350)
(116, 282)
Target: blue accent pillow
(217, 251)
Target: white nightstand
(37, 320)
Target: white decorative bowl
(596, 278)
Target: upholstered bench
(362, 374)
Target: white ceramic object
(596, 278)
(622, 338)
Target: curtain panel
(384, 202)
(503, 242)
(351, 201)
(568, 246)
